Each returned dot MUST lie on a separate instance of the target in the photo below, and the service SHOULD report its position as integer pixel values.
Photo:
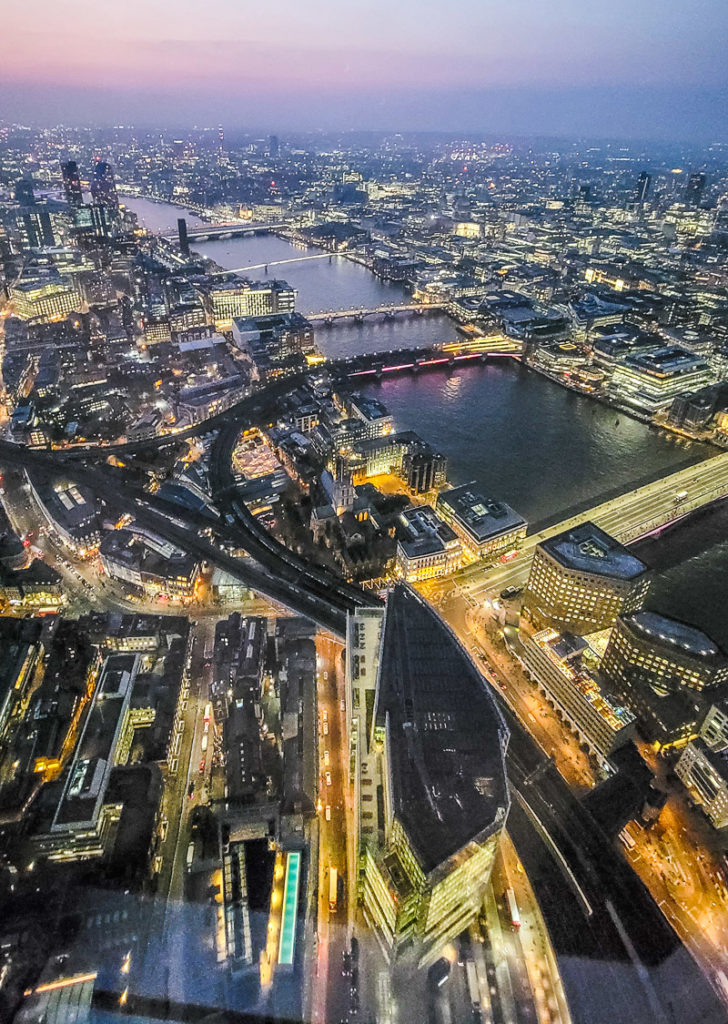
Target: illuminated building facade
(22, 651)
(377, 421)
(72, 183)
(242, 298)
(423, 469)
(47, 298)
(427, 547)
(156, 329)
(581, 580)
(669, 653)
(103, 186)
(148, 562)
(664, 671)
(557, 664)
(714, 729)
(651, 381)
(487, 528)
(704, 773)
(694, 189)
(428, 759)
(39, 587)
(403, 454)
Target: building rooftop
(587, 548)
(143, 551)
(564, 652)
(671, 633)
(424, 531)
(71, 505)
(481, 517)
(446, 737)
(670, 361)
(244, 284)
(89, 773)
(368, 407)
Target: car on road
(439, 973)
(328, 778)
(191, 790)
(327, 758)
(202, 766)
(328, 812)
(510, 592)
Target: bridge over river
(628, 517)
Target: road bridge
(261, 402)
(632, 515)
(223, 231)
(330, 316)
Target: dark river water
(521, 437)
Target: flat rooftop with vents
(587, 548)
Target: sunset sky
(633, 67)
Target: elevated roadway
(627, 517)
(289, 583)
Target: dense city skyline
(622, 70)
(364, 512)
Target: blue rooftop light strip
(290, 904)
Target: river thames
(518, 435)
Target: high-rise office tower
(24, 193)
(38, 227)
(103, 187)
(72, 183)
(273, 146)
(184, 245)
(581, 580)
(427, 748)
(178, 147)
(643, 188)
(694, 189)
(221, 136)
